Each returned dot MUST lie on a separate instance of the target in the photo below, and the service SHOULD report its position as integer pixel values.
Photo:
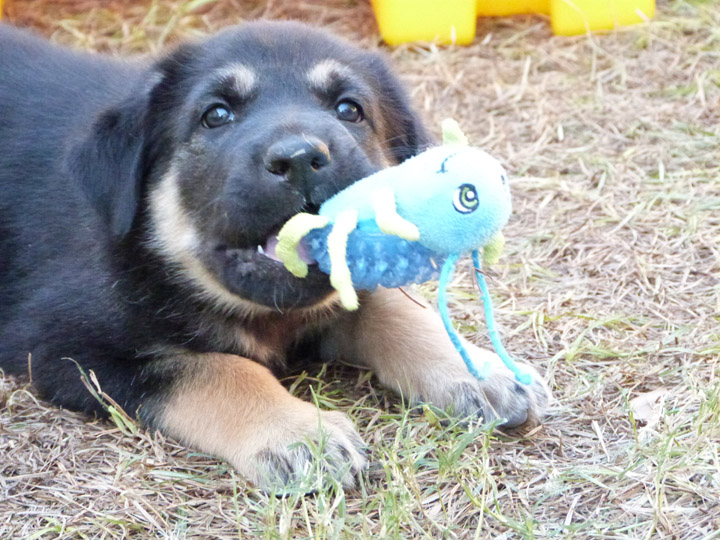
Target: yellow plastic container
(453, 21)
(503, 8)
(572, 17)
(442, 21)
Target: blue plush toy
(407, 224)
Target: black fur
(84, 140)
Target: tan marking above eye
(244, 78)
(324, 73)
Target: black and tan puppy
(135, 202)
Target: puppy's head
(243, 131)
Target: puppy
(139, 205)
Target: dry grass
(610, 283)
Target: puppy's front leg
(236, 409)
(407, 347)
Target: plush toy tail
(445, 275)
(520, 375)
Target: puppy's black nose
(298, 158)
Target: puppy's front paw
(236, 409)
(510, 401)
(506, 398)
(497, 397)
(303, 451)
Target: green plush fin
(494, 248)
(340, 277)
(289, 237)
(387, 218)
(452, 134)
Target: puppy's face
(251, 127)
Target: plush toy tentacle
(289, 237)
(387, 218)
(520, 375)
(445, 275)
(340, 277)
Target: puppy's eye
(466, 199)
(216, 116)
(349, 111)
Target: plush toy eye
(466, 199)
(216, 116)
(349, 111)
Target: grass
(610, 284)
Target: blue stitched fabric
(376, 259)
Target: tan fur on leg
(407, 347)
(236, 409)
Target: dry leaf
(647, 408)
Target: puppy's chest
(263, 339)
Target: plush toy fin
(289, 237)
(493, 249)
(340, 277)
(387, 218)
(452, 134)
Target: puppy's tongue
(269, 250)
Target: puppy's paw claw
(497, 398)
(325, 451)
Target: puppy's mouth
(269, 250)
(266, 250)
(257, 274)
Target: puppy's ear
(405, 134)
(107, 163)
